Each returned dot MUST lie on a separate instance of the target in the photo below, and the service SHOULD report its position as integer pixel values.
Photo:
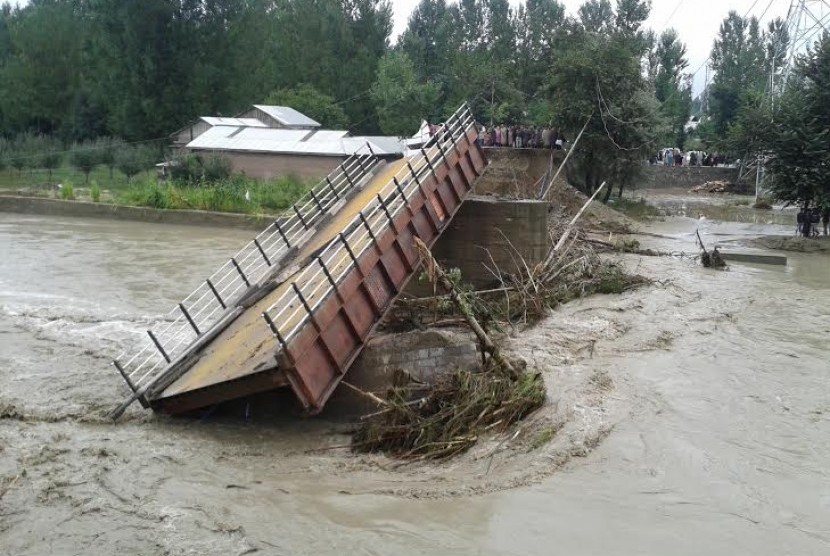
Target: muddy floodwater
(688, 417)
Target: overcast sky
(697, 21)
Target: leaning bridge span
(294, 308)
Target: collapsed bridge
(295, 306)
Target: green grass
(39, 181)
(224, 196)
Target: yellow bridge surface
(247, 346)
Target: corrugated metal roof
(240, 122)
(327, 135)
(344, 146)
(273, 134)
(383, 143)
(287, 116)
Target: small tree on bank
(85, 157)
(132, 160)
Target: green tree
(50, 154)
(313, 104)
(798, 139)
(672, 88)
(40, 77)
(401, 101)
(85, 157)
(107, 148)
(598, 78)
(133, 159)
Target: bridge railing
(205, 306)
(290, 313)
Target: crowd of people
(808, 220)
(521, 137)
(676, 157)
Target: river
(712, 440)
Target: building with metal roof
(282, 116)
(271, 141)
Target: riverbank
(86, 209)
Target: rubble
(717, 186)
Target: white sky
(697, 21)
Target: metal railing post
(317, 201)
(216, 293)
(386, 211)
(189, 319)
(239, 270)
(333, 189)
(158, 345)
(368, 227)
(349, 249)
(300, 216)
(124, 375)
(274, 329)
(262, 252)
(282, 233)
(302, 299)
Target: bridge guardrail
(287, 316)
(205, 306)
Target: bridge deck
(247, 348)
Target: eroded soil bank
(688, 417)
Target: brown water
(714, 435)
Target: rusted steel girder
(316, 359)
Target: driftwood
(437, 276)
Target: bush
(95, 192)
(67, 192)
(132, 160)
(227, 195)
(216, 168)
(196, 169)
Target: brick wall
(267, 166)
(424, 355)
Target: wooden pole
(568, 230)
(438, 276)
(544, 193)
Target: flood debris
(451, 414)
(443, 419)
(716, 186)
(710, 259)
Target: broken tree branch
(437, 276)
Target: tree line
(74, 73)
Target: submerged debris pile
(451, 415)
(446, 418)
(710, 259)
(717, 186)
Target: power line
(677, 7)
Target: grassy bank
(227, 195)
(40, 179)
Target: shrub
(67, 192)
(95, 192)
